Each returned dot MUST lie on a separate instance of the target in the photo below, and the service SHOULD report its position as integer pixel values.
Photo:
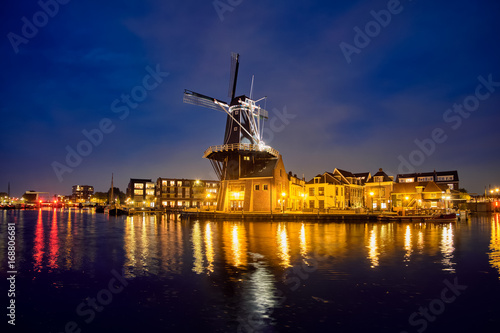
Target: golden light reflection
(283, 247)
(420, 241)
(495, 243)
(303, 242)
(209, 248)
(235, 244)
(53, 242)
(373, 253)
(408, 247)
(197, 248)
(38, 247)
(447, 248)
(69, 243)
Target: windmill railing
(240, 147)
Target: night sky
(350, 85)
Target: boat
(117, 211)
(99, 209)
(444, 218)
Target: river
(78, 271)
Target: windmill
(243, 153)
(244, 128)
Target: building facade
(297, 191)
(82, 193)
(174, 193)
(141, 193)
(378, 191)
(325, 192)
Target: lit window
(179, 183)
(138, 192)
(321, 191)
(246, 158)
(138, 185)
(172, 183)
(311, 191)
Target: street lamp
(371, 195)
(283, 194)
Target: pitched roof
(380, 173)
(432, 187)
(434, 173)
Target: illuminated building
(82, 193)
(378, 191)
(297, 188)
(252, 174)
(179, 193)
(141, 193)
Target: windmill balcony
(240, 147)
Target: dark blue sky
(340, 98)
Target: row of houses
(329, 191)
(342, 189)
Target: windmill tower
(243, 155)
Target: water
(79, 271)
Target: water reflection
(447, 248)
(197, 248)
(495, 243)
(283, 247)
(38, 247)
(235, 243)
(373, 253)
(408, 247)
(53, 242)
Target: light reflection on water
(495, 242)
(66, 240)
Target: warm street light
(371, 195)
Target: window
(179, 183)
(336, 191)
(164, 183)
(311, 191)
(444, 178)
(150, 185)
(434, 204)
(311, 203)
(265, 187)
(150, 192)
(425, 179)
(321, 191)
(138, 192)
(406, 180)
(246, 158)
(257, 187)
(374, 205)
(322, 204)
(138, 185)
(383, 205)
(378, 179)
(450, 186)
(433, 195)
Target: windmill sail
(233, 78)
(190, 97)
